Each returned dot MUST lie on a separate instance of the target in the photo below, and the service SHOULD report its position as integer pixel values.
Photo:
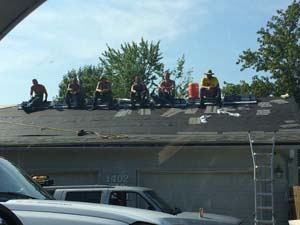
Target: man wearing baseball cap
(210, 87)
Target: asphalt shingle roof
(190, 126)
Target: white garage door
(228, 193)
(76, 178)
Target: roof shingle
(191, 126)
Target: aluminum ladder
(263, 176)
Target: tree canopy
(259, 86)
(181, 78)
(121, 65)
(236, 89)
(279, 50)
(88, 77)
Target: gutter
(141, 144)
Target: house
(192, 157)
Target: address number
(117, 178)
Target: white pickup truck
(23, 202)
(136, 197)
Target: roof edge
(142, 144)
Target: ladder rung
(262, 154)
(268, 166)
(265, 207)
(264, 194)
(265, 221)
(264, 180)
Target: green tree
(259, 86)
(120, 66)
(236, 89)
(262, 86)
(182, 78)
(279, 50)
(88, 77)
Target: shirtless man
(73, 93)
(103, 92)
(37, 92)
(166, 88)
(139, 91)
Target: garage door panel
(224, 193)
(61, 178)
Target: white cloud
(65, 31)
(90, 23)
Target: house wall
(218, 179)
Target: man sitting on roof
(103, 92)
(73, 93)
(166, 88)
(139, 92)
(210, 87)
(36, 100)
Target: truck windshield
(16, 184)
(159, 202)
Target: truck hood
(123, 214)
(193, 218)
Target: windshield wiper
(17, 195)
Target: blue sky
(65, 34)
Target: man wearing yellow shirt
(210, 87)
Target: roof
(14, 11)
(142, 127)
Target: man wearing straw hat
(210, 87)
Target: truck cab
(16, 184)
(24, 202)
(134, 197)
(130, 196)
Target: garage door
(228, 193)
(75, 178)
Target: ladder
(263, 183)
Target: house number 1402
(117, 178)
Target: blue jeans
(104, 98)
(74, 99)
(35, 101)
